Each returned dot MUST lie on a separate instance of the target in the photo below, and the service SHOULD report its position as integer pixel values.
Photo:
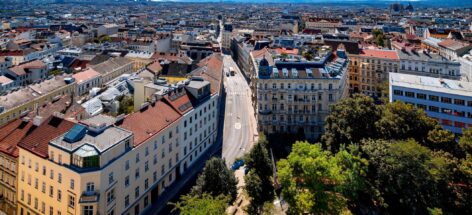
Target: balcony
(89, 197)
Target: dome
(264, 62)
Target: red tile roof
(38, 140)
(155, 67)
(12, 133)
(378, 53)
(149, 122)
(211, 69)
(85, 75)
(179, 101)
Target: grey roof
(421, 56)
(101, 141)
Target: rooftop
(448, 86)
(31, 92)
(98, 134)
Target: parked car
(237, 164)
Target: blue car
(237, 164)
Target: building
(27, 73)
(325, 24)
(428, 64)
(370, 68)
(453, 49)
(107, 29)
(113, 67)
(86, 80)
(107, 165)
(226, 36)
(19, 103)
(448, 101)
(294, 96)
(466, 67)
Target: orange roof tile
(149, 122)
(378, 53)
(37, 141)
(11, 134)
(85, 75)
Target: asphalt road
(239, 132)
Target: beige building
(19, 103)
(107, 165)
(293, 96)
(370, 68)
(113, 68)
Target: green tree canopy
(406, 174)
(216, 179)
(315, 181)
(259, 184)
(201, 205)
(351, 120)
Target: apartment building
(294, 95)
(86, 80)
(113, 67)
(107, 165)
(19, 103)
(370, 68)
(466, 67)
(226, 36)
(325, 24)
(448, 101)
(428, 64)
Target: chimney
(37, 120)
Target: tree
(406, 174)
(126, 105)
(201, 205)
(216, 179)
(401, 121)
(350, 120)
(440, 139)
(259, 185)
(465, 142)
(314, 181)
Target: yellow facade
(15, 113)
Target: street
(240, 129)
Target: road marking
(237, 125)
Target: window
(111, 179)
(459, 102)
(127, 181)
(111, 196)
(59, 178)
(71, 201)
(136, 175)
(90, 187)
(88, 210)
(433, 109)
(59, 195)
(146, 166)
(127, 165)
(398, 92)
(43, 187)
(146, 184)
(137, 157)
(72, 184)
(433, 98)
(51, 191)
(136, 192)
(126, 200)
(446, 100)
(410, 94)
